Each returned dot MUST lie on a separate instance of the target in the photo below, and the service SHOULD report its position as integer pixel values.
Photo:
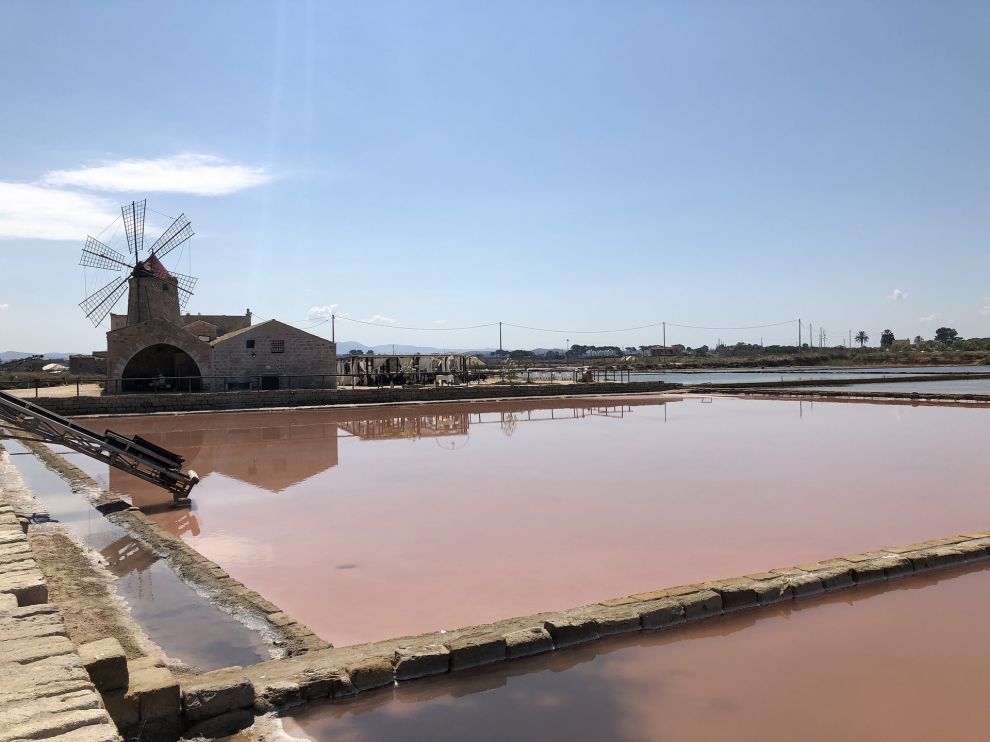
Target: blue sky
(568, 165)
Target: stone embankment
(45, 689)
(133, 404)
(786, 392)
(342, 672)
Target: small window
(278, 346)
(249, 343)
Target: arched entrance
(161, 368)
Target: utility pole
(500, 338)
(665, 334)
(799, 336)
(333, 328)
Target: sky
(570, 166)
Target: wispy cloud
(321, 312)
(198, 174)
(985, 311)
(933, 317)
(897, 295)
(381, 319)
(439, 321)
(29, 211)
(4, 306)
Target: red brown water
(371, 523)
(891, 662)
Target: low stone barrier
(342, 672)
(132, 404)
(786, 392)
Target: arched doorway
(161, 368)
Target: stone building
(156, 348)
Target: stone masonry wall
(129, 404)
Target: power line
(404, 327)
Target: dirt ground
(66, 390)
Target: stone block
(157, 692)
(27, 586)
(944, 556)
(418, 662)
(670, 592)
(220, 726)
(772, 591)
(143, 663)
(836, 578)
(526, 642)
(701, 604)
(973, 551)
(612, 621)
(278, 694)
(46, 725)
(372, 672)
(897, 567)
(659, 614)
(735, 594)
(8, 602)
(106, 663)
(919, 560)
(207, 697)
(805, 585)
(788, 572)
(123, 708)
(91, 733)
(872, 571)
(568, 630)
(474, 650)
(326, 682)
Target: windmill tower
(153, 292)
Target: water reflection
(362, 524)
(161, 604)
(275, 451)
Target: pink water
(902, 661)
(370, 523)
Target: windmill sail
(185, 286)
(98, 255)
(133, 214)
(98, 305)
(175, 235)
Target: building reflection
(275, 450)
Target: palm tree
(862, 338)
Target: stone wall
(275, 349)
(130, 404)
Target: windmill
(96, 254)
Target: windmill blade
(99, 255)
(175, 235)
(186, 285)
(98, 305)
(133, 214)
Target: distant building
(902, 343)
(664, 350)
